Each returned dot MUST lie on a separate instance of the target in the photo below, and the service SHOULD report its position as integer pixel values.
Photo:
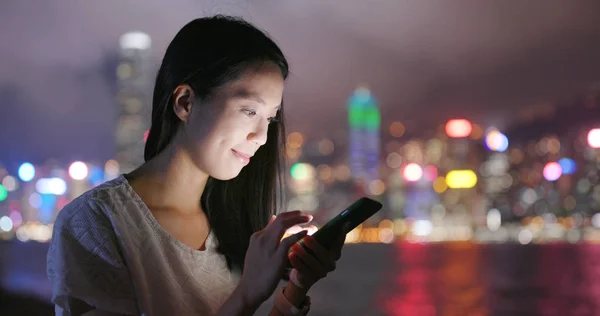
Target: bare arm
(238, 304)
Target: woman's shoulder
(84, 261)
(94, 206)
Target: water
(463, 278)
(459, 278)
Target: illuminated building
(134, 91)
(364, 122)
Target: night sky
(424, 61)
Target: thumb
(273, 217)
(287, 242)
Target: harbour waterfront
(458, 278)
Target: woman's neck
(170, 181)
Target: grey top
(109, 255)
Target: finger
(273, 217)
(303, 269)
(320, 252)
(294, 230)
(287, 242)
(317, 268)
(277, 228)
(311, 229)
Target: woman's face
(223, 133)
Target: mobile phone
(345, 222)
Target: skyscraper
(364, 122)
(134, 97)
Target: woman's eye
(250, 112)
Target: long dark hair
(205, 54)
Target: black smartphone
(345, 222)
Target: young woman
(193, 230)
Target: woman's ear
(183, 99)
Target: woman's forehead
(262, 87)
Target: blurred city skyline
(475, 123)
(494, 63)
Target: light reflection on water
(459, 278)
(464, 278)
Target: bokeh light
(412, 172)
(3, 193)
(397, 129)
(593, 138)
(55, 186)
(325, 173)
(26, 172)
(496, 141)
(10, 183)
(439, 185)
(552, 171)
(295, 140)
(376, 187)
(342, 173)
(6, 223)
(78, 170)
(430, 173)
(461, 179)
(458, 128)
(568, 165)
(494, 220)
(302, 171)
(16, 218)
(111, 169)
(326, 147)
(394, 160)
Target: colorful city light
(458, 128)
(26, 172)
(496, 141)
(461, 179)
(78, 170)
(593, 138)
(552, 171)
(412, 172)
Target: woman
(192, 231)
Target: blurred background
(476, 123)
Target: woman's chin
(226, 174)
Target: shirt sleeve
(85, 266)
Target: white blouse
(109, 255)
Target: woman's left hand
(312, 267)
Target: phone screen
(346, 221)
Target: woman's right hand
(267, 256)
